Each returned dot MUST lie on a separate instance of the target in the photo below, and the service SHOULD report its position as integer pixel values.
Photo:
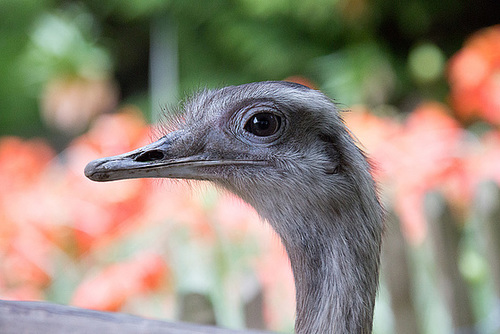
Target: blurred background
(420, 85)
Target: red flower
(101, 210)
(474, 76)
(22, 162)
(423, 153)
(376, 135)
(110, 289)
(26, 236)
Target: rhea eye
(263, 124)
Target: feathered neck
(334, 253)
(336, 275)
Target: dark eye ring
(263, 124)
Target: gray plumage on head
(283, 148)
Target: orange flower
(23, 292)
(474, 76)
(110, 289)
(375, 135)
(28, 259)
(423, 153)
(25, 220)
(431, 156)
(102, 210)
(22, 162)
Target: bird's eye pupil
(263, 124)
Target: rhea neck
(334, 255)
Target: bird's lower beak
(157, 160)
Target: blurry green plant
(358, 74)
(64, 43)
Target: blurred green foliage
(358, 51)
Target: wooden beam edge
(29, 317)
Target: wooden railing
(45, 318)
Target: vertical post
(487, 211)
(253, 298)
(487, 206)
(196, 308)
(445, 236)
(395, 270)
(163, 64)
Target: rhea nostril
(152, 155)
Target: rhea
(284, 149)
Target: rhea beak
(157, 160)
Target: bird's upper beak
(159, 160)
